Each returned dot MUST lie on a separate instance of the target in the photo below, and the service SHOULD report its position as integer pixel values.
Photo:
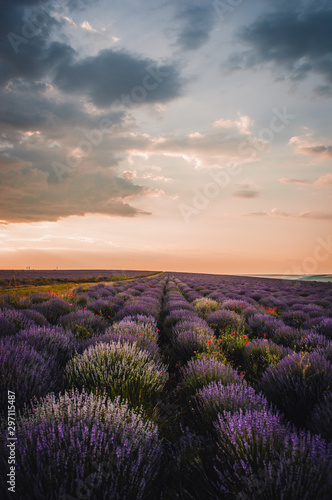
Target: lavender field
(176, 386)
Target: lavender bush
(87, 446)
(51, 342)
(14, 321)
(200, 372)
(297, 384)
(259, 355)
(205, 306)
(320, 418)
(259, 457)
(83, 324)
(52, 309)
(223, 319)
(24, 371)
(118, 370)
(216, 398)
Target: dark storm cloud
(41, 126)
(28, 197)
(29, 110)
(25, 50)
(296, 38)
(28, 51)
(113, 75)
(197, 22)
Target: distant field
(21, 274)
(307, 277)
(23, 283)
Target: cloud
(295, 37)
(325, 181)
(118, 76)
(272, 213)
(87, 26)
(70, 21)
(217, 147)
(27, 196)
(196, 20)
(102, 79)
(31, 43)
(309, 214)
(308, 145)
(246, 193)
(242, 124)
(156, 178)
(285, 180)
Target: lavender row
(225, 412)
(121, 365)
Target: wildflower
(244, 336)
(241, 374)
(233, 333)
(209, 341)
(246, 342)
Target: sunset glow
(172, 136)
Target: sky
(183, 135)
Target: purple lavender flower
(259, 457)
(13, 321)
(320, 418)
(35, 316)
(200, 372)
(51, 342)
(25, 371)
(53, 309)
(258, 355)
(325, 327)
(83, 324)
(261, 324)
(297, 384)
(296, 319)
(223, 319)
(81, 444)
(216, 398)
